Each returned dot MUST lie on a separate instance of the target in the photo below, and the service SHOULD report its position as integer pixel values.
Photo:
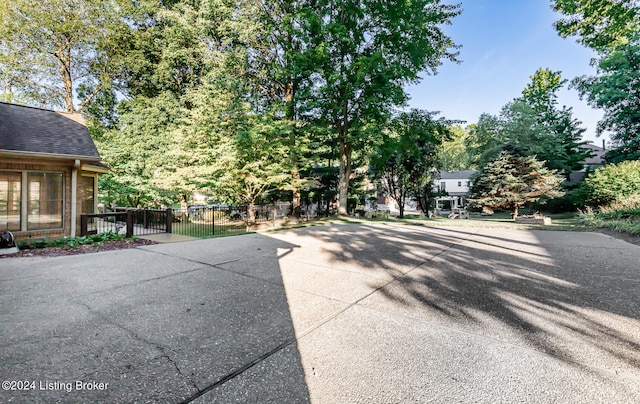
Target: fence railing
(130, 222)
(195, 221)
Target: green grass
(560, 222)
(204, 230)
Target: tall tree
(512, 179)
(281, 67)
(616, 89)
(611, 28)
(598, 24)
(367, 51)
(406, 160)
(550, 132)
(455, 153)
(51, 48)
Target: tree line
(251, 101)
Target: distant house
(456, 184)
(590, 163)
(49, 170)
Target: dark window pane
(10, 200)
(45, 200)
(87, 185)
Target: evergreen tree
(512, 179)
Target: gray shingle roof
(34, 130)
(456, 175)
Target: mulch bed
(82, 249)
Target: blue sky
(503, 43)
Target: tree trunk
(295, 181)
(344, 175)
(290, 91)
(514, 211)
(184, 207)
(251, 212)
(64, 57)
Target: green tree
(612, 183)
(455, 154)
(616, 89)
(559, 143)
(512, 179)
(247, 170)
(406, 161)
(188, 59)
(51, 51)
(535, 120)
(281, 68)
(598, 24)
(366, 52)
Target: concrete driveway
(329, 314)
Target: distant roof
(41, 131)
(456, 175)
(596, 154)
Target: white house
(457, 185)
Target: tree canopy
(51, 51)
(406, 160)
(534, 120)
(616, 90)
(512, 179)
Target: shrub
(612, 183)
(70, 242)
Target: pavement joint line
(614, 372)
(140, 282)
(303, 334)
(240, 370)
(218, 267)
(159, 347)
(347, 270)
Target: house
(456, 184)
(49, 170)
(590, 163)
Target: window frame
(20, 222)
(24, 198)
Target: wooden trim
(31, 155)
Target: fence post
(169, 220)
(83, 225)
(129, 224)
(145, 219)
(213, 221)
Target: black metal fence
(130, 222)
(196, 221)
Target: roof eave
(95, 169)
(54, 156)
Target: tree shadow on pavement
(567, 301)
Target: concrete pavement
(329, 314)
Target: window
(45, 200)
(10, 197)
(459, 183)
(443, 186)
(87, 188)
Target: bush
(612, 183)
(623, 216)
(70, 242)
